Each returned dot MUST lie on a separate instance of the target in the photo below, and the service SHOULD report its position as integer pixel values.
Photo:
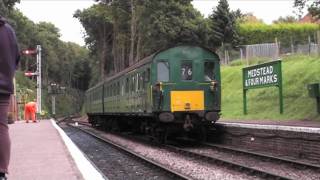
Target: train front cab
(186, 86)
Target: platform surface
(294, 125)
(39, 153)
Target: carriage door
(163, 74)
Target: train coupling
(187, 126)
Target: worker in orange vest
(30, 111)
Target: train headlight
(158, 87)
(213, 85)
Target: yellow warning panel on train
(187, 100)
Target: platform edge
(86, 168)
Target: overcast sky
(60, 12)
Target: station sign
(263, 75)
(260, 76)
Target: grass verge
(298, 71)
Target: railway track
(229, 164)
(153, 164)
(243, 168)
(294, 163)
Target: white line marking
(87, 170)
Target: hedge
(286, 33)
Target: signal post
(36, 52)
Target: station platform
(284, 125)
(43, 151)
(272, 123)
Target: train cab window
(163, 71)
(209, 71)
(186, 70)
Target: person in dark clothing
(9, 59)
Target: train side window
(127, 85)
(186, 70)
(148, 75)
(141, 80)
(111, 90)
(209, 71)
(144, 79)
(137, 82)
(118, 88)
(163, 71)
(132, 84)
(122, 88)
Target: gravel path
(192, 167)
(251, 161)
(111, 162)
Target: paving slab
(39, 153)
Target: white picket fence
(267, 50)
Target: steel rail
(229, 164)
(174, 174)
(264, 156)
(219, 161)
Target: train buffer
(43, 151)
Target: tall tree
(140, 27)
(313, 7)
(59, 59)
(223, 25)
(99, 29)
(6, 6)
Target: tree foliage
(223, 25)
(121, 32)
(6, 6)
(313, 7)
(64, 63)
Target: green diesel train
(174, 90)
